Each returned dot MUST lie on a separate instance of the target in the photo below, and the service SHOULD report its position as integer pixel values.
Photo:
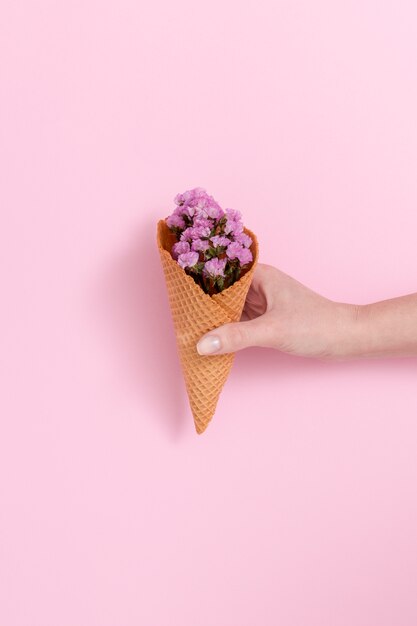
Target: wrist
(351, 336)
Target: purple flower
(201, 231)
(198, 204)
(188, 259)
(175, 221)
(200, 245)
(188, 196)
(237, 251)
(195, 232)
(233, 250)
(198, 193)
(234, 223)
(244, 239)
(188, 234)
(244, 256)
(201, 203)
(179, 199)
(181, 247)
(232, 227)
(203, 221)
(219, 240)
(214, 211)
(233, 215)
(195, 217)
(215, 267)
(188, 210)
(191, 197)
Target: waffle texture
(195, 313)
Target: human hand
(282, 313)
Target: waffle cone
(194, 313)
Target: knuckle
(237, 335)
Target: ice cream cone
(194, 313)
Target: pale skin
(284, 314)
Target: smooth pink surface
(298, 506)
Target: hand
(282, 313)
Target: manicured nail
(209, 344)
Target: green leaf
(220, 282)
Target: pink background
(298, 506)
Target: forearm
(382, 329)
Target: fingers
(256, 327)
(235, 336)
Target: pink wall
(298, 506)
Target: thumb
(232, 337)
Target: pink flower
(201, 231)
(188, 259)
(175, 221)
(232, 227)
(179, 210)
(195, 217)
(219, 240)
(233, 250)
(190, 197)
(201, 203)
(200, 245)
(195, 232)
(188, 210)
(203, 221)
(199, 192)
(244, 239)
(237, 251)
(207, 209)
(214, 211)
(197, 203)
(234, 223)
(188, 234)
(244, 256)
(181, 247)
(233, 215)
(215, 267)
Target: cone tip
(200, 427)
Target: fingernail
(209, 344)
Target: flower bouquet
(208, 258)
